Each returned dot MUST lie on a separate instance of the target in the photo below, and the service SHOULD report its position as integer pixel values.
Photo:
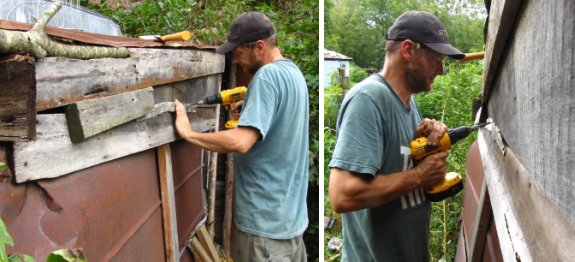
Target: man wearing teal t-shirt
(271, 142)
(373, 180)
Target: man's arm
(240, 139)
(350, 191)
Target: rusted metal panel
(99, 39)
(188, 184)
(111, 211)
(488, 242)
(473, 180)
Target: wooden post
(208, 243)
(195, 246)
(229, 194)
(213, 175)
(18, 98)
(168, 203)
(482, 220)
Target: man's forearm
(228, 141)
(350, 192)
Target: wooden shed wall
(133, 192)
(527, 153)
(533, 97)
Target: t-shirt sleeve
(259, 107)
(359, 146)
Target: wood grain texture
(530, 227)
(168, 202)
(17, 98)
(501, 21)
(90, 117)
(53, 154)
(62, 81)
(533, 98)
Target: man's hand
(432, 129)
(182, 122)
(432, 168)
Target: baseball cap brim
(226, 47)
(446, 49)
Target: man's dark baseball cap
(248, 27)
(425, 28)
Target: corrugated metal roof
(333, 55)
(99, 39)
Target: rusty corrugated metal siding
(112, 211)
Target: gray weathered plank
(90, 117)
(62, 81)
(530, 227)
(533, 98)
(52, 154)
(17, 99)
(501, 20)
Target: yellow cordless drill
(451, 183)
(227, 98)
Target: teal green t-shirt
(374, 129)
(270, 180)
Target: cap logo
(442, 33)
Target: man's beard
(416, 81)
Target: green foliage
(5, 239)
(66, 255)
(357, 28)
(450, 101)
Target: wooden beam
(91, 117)
(196, 247)
(208, 243)
(168, 203)
(53, 154)
(61, 81)
(18, 98)
(480, 226)
(501, 22)
(213, 177)
(228, 207)
(530, 226)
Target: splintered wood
(17, 98)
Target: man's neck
(272, 55)
(395, 77)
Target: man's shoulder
(372, 86)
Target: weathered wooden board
(17, 98)
(533, 98)
(62, 81)
(168, 202)
(530, 226)
(90, 117)
(52, 154)
(501, 21)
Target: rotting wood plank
(195, 246)
(17, 98)
(61, 81)
(228, 207)
(91, 117)
(501, 21)
(480, 225)
(530, 226)
(168, 202)
(52, 154)
(208, 243)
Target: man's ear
(261, 45)
(408, 49)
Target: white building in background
(331, 62)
